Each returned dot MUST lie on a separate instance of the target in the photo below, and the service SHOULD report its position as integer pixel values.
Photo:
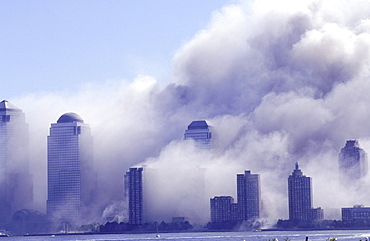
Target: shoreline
(196, 231)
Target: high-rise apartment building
(299, 194)
(249, 195)
(221, 208)
(134, 194)
(248, 206)
(200, 132)
(15, 179)
(71, 175)
(300, 198)
(352, 162)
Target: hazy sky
(49, 46)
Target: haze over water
(347, 235)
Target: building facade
(248, 204)
(71, 175)
(353, 162)
(15, 180)
(249, 195)
(200, 132)
(221, 208)
(356, 213)
(300, 198)
(299, 194)
(134, 194)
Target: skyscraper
(300, 198)
(200, 132)
(299, 192)
(248, 206)
(249, 195)
(352, 162)
(134, 193)
(15, 179)
(71, 176)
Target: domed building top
(70, 117)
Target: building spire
(297, 172)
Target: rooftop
(297, 172)
(352, 143)
(70, 117)
(202, 124)
(6, 105)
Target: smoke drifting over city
(281, 82)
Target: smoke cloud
(280, 82)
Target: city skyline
(281, 82)
(79, 185)
(72, 118)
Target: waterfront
(347, 235)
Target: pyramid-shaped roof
(6, 105)
(202, 124)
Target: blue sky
(49, 46)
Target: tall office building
(200, 132)
(71, 176)
(300, 198)
(249, 195)
(15, 179)
(134, 194)
(352, 162)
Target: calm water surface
(348, 235)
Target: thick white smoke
(281, 81)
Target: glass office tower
(71, 176)
(200, 132)
(352, 162)
(15, 179)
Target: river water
(347, 235)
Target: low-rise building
(357, 212)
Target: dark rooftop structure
(70, 117)
(6, 105)
(201, 132)
(198, 125)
